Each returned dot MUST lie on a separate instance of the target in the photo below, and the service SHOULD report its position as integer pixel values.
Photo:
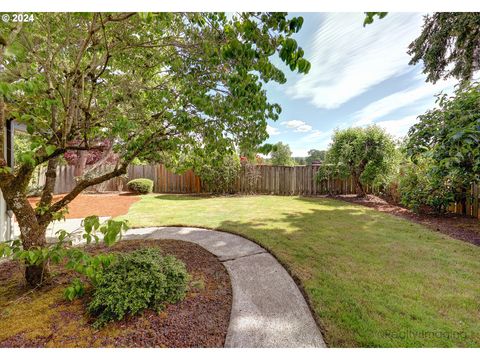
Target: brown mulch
(456, 226)
(104, 204)
(42, 318)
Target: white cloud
(398, 128)
(348, 58)
(271, 130)
(297, 152)
(315, 135)
(297, 125)
(424, 92)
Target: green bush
(219, 177)
(142, 186)
(142, 279)
(421, 189)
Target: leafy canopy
(152, 84)
(281, 155)
(367, 154)
(450, 135)
(448, 45)
(147, 81)
(315, 155)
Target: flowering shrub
(93, 155)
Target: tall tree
(150, 83)
(448, 46)
(450, 136)
(365, 154)
(281, 155)
(315, 155)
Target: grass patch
(373, 279)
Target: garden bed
(43, 318)
(457, 226)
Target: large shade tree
(448, 45)
(150, 83)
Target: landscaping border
(268, 308)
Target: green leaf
(50, 149)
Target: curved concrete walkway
(268, 309)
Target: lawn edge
(297, 281)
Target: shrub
(422, 189)
(142, 186)
(219, 177)
(142, 279)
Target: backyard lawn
(372, 279)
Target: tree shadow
(355, 263)
(182, 197)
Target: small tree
(366, 154)
(281, 155)
(450, 136)
(101, 153)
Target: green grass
(372, 279)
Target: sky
(359, 76)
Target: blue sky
(359, 76)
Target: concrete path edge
(268, 309)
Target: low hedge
(142, 186)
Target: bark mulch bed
(42, 318)
(104, 204)
(456, 226)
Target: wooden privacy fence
(473, 203)
(289, 180)
(256, 179)
(165, 181)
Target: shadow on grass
(181, 197)
(345, 258)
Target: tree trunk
(463, 201)
(359, 187)
(35, 238)
(34, 274)
(32, 234)
(81, 163)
